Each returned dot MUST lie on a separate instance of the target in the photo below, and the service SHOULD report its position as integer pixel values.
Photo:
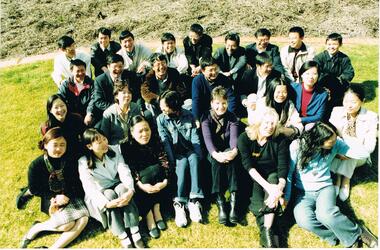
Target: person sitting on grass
(77, 91)
(54, 177)
(67, 52)
(336, 71)
(265, 156)
(72, 126)
(309, 175)
(179, 136)
(103, 48)
(145, 156)
(357, 126)
(220, 133)
(117, 118)
(109, 188)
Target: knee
(82, 222)
(110, 194)
(327, 215)
(303, 219)
(66, 227)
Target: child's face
(219, 106)
(100, 145)
(330, 142)
(332, 47)
(56, 148)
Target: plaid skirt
(74, 210)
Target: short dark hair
(206, 61)
(172, 99)
(104, 31)
(233, 36)
(297, 29)
(167, 37)
(219, 92)
(77, 62)
(262, 32)
(114, 59)
(119, 86)
(357, 90)
(197, 28)
(126, 33)
(335, 37)
(157, 57)
(65, 41)
(263, 58)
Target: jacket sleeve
(105, 125)
(57, 71)
(164, 135)
(124, 171)
(348, 71)
(94, 57)
(37, 184)
(91, 104)
(195, 87)
(234, 132)
(351, 150)
(282, 159)
(277, 65)
(283, 55)
(183, 65)
(63, 88)
(207, 135)
(195, 139)
(240, 64)
(231, 100)
(99, 97)
(90, 187)
(243, 146)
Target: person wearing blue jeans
(315, 197)
(178, 132)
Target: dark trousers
(223, 175)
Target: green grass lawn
(23, 94)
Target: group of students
(141, 134)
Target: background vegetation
(23, 94)
(33, 26)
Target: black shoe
(367, 237)
(222, 214)
(22, 199)
(266, 238)
(154, 233)
(233, 214)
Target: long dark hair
(91, 135)
(311, 142)
(269, 98)
(52, 121)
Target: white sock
(136, 237)
(123, 236)
(134, 229)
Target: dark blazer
(201, 94)
(317, 106)
(238, 61)
(249, 82)
(99, 57)
(103, 89)
(272, 50)
(195, 51)
(230, 130)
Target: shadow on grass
(92, 229)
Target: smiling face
(160, 68)
(280, 93)
(56, 148)
(168, 46)
(103, 40)
(267, 126)
(141, 132)
(262, 42)
(128, 44)
(310, 77)
(115, 69)
(210, 72)
(231, 46)
(351, 103)
(332, 46)
(100, 145)
(219, 106)
(295, 41)
(59, 110)
(79, 72)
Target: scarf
(219, 120)
(56, 180)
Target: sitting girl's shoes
(154, 233)
(336, 190)
(126, 243)
(161, 225)
(25, 242)
(344, 193)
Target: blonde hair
(253, 129)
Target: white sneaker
(344, 193)
(195, 209)
(126, 243)
(180, 214)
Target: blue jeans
(190, 162)
(316, 211)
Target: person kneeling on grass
(178, 132)
(220, 132)
(54, 177)
(315, 206)
(109, 188)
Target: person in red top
(311, 98)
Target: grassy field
(23, 95)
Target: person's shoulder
(115, 46)
(272, 46)
(37, 162)
(368, 113)
(95, 46)
(207, 38)
(284, 49)
(250, 46)
(111, 110)
(199, 79)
